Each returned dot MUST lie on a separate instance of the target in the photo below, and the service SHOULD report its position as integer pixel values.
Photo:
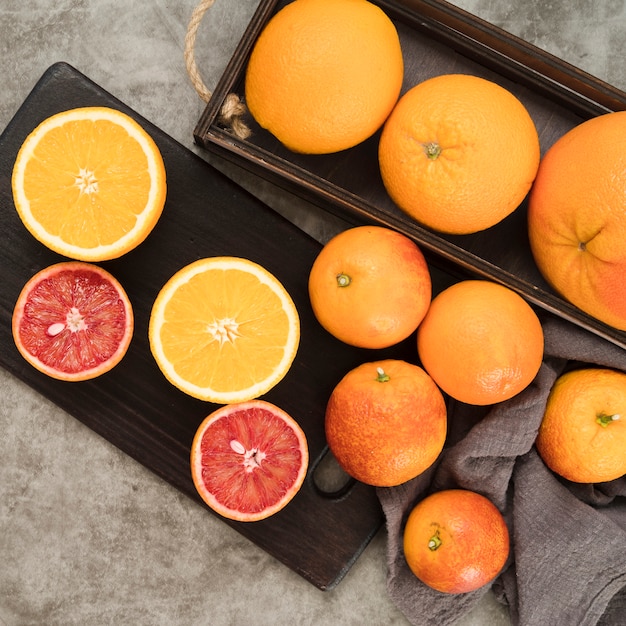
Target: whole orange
(370, 286)
(458, 153)
(481, 342)
(577, 217)
(582, 436)
(386, 422)
(456, 541)
(324, 74)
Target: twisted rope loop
(233, 109)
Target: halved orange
(89, 183)
(224, 330)
(73, 321)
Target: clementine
(481, 342)
(458, 153)
(582, 436)
(456, 541)
(577, 217)
(386, 422)
(370, 286)
(324, 74)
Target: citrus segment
(458, 153)
(324, 74)
(370, 287)
(577, 217)
(481, 342)
(386, 422)
(73, 321)
(248, 460)
(456, 541)
(89, 183)
(582, 436)
(224, 329)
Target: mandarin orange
(458, 153)
(481, 342)
(370, 286)
(386, 422)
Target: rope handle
(233, 109)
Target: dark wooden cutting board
(318, 535)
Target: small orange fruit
(324, 74)
(458, 153)
(481, 342)
(370, 287)
(456, 541)
(73, 321)
(248, 460)
(577, 217)
(386, 422)
(224, 329)
(89, 183)
(582, 436)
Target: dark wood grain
(133, 406)
(436, 38)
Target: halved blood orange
(73, 321)
(248, 460)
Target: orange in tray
(582, 435)
(456, 541)
(248, 460)
(386, 422)
(73, 321)
(224, 330)
(458, 153)
(481, 342)
(89, 183)
(370, 287)
(577, 217)
(324, 74)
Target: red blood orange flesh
(248, 460)
(73, 321)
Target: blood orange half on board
(248, 460)
(73, 321)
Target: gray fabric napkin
(568, 557)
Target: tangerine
(324, 74)
(446, 142)
(386, 422)
(582, 436)
(370, 286)
(456, 541)
(577, 217)
(481, 342)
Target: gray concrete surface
(88, 536)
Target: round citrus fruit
(577, 217)
(324, 74)
(248, 460)
(582, 436)
(370, 287)
(386, 422)
(458, 153)
(224, 329)
(481, 342)
(456, 541)
(89, 183)
(73, 321)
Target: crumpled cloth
(568, 541)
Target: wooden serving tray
(319, 534)
(436, 38)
